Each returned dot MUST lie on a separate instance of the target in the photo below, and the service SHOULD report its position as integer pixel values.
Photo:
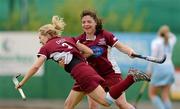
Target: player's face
(165, 31)
(43, 39)
(88, 25)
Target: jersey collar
(91, 39)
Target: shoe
(138, 75)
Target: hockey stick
(16, 82)
(151, 58)
(140, 94)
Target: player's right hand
(131, 53)
(18, 86)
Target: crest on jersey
(98, 51)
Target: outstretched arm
(125, 49)
(35, 67)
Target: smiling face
(88, 25)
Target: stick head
(163, 59)
(156, 60)
(160, 60)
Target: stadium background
(132, 17)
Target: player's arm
(86, 51)
(35, 67)
(123, 48)
(172, 39)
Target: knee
(68, 105)
(165, 97)
(120, 104)
(152, 95)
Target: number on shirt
(67, 45)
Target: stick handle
(16, 82)
(22, 94)
(138, 56)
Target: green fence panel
(57, 82)
(176, 53)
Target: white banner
(17, 52)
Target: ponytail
(54, 29)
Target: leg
(73, 99)
(99, 94)
(134, 75)
(92, 104)
(165, 96)
(89, 83)
(156, 100)
(122, 103)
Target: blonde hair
(163, 29)
(54, 29)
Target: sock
(168, 104)
(157, 102)
(116, 90)
(109, 99)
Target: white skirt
(163, 74)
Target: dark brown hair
(94, 16)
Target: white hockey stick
(16, 82)
(150, 58)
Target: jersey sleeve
(110, 38)
(43, 52)
(74, 39)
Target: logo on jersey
(102, 41)
(98, 51)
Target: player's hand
(131, 52)
(19, 85)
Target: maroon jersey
(60, 47)
(101, 62)
(85, 76)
